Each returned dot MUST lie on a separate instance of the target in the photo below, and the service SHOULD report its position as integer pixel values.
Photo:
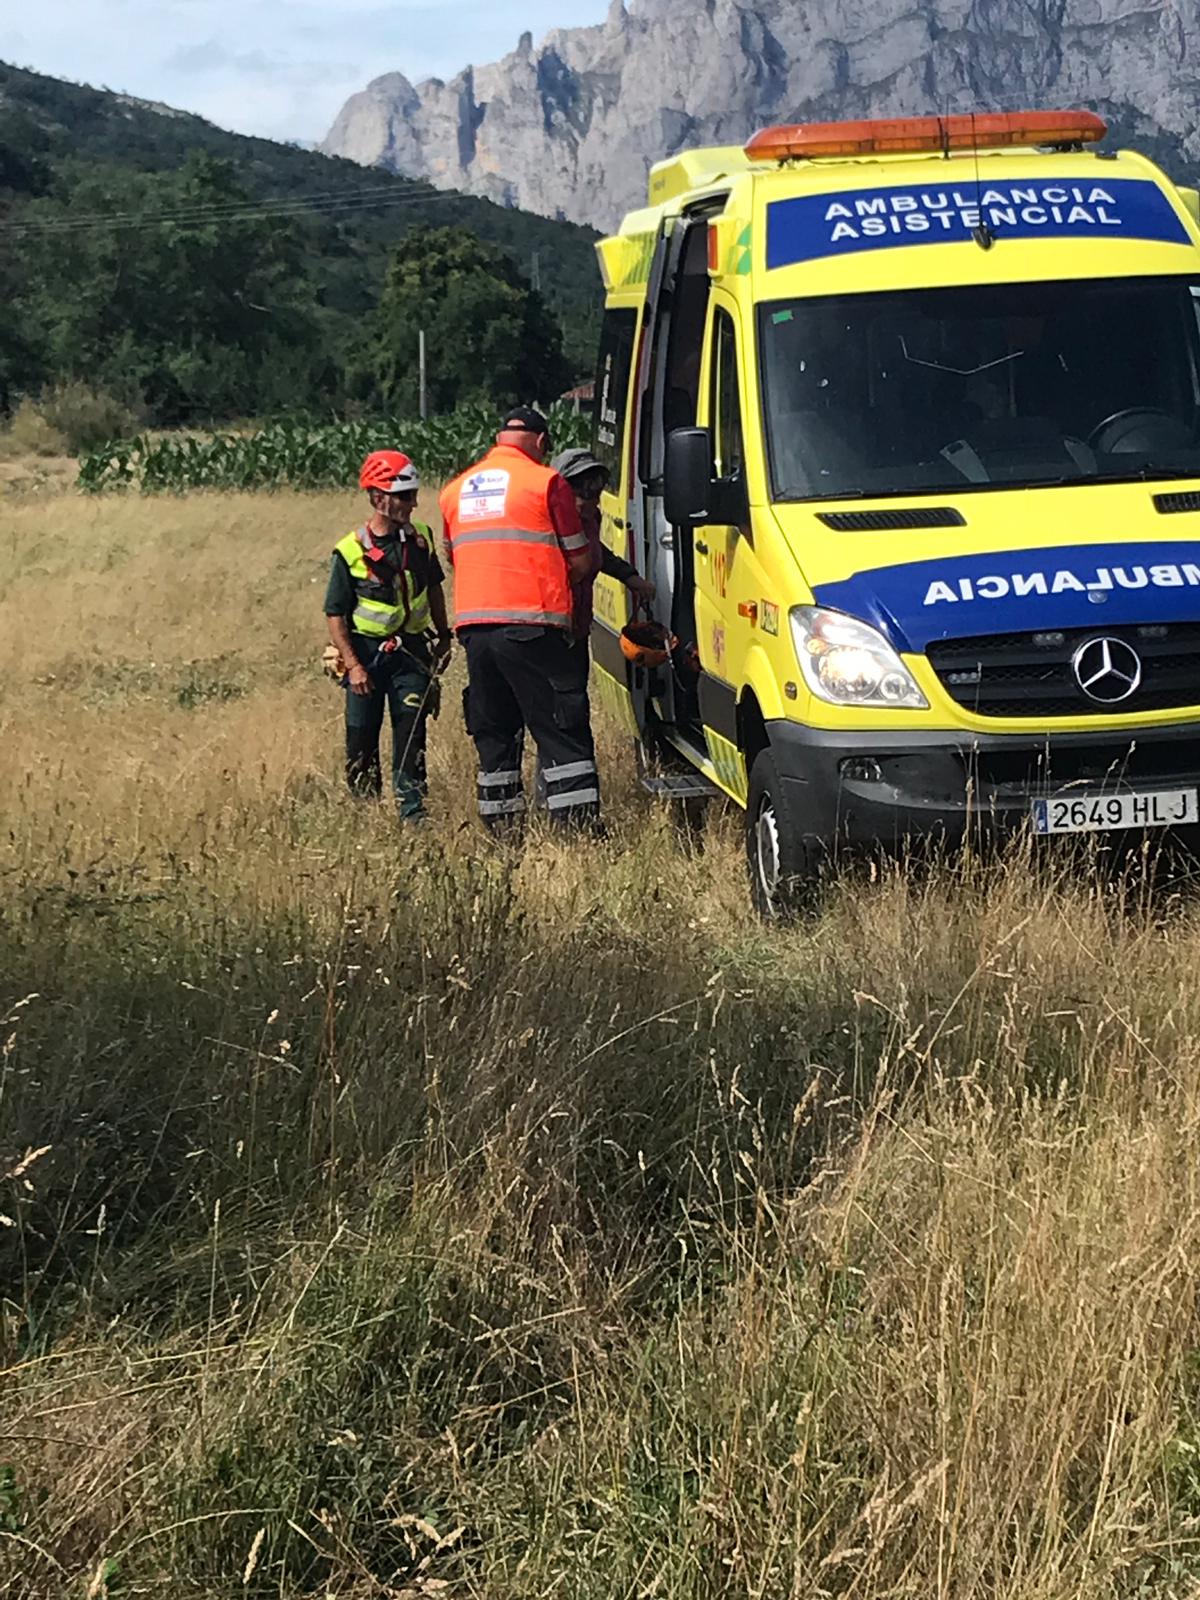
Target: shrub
(30, 434)
(86, 418)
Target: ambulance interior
(674, 385)
(951, 389)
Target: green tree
(23, 174)
(109, 307)
(489, 335)
(172, 289)
(24, 169)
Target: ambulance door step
(679, 786)
(665, 773)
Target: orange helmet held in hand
(647, 644)
(389, 470)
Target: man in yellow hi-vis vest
(384, 601)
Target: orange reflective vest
(509, 563)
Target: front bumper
(885, 788)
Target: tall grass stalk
(387, 1214)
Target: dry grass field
(386, 1214)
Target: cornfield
(302, 455)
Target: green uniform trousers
(401, 687)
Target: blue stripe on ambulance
(810, 227)
(1023, 591)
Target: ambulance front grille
(1031, 675)
(1137, 757)
(1168, 505)
(891, 521)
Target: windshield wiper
(1149, 472)
(800, 496)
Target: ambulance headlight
(849, 663)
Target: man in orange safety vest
(515, 540)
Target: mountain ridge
(569, 127)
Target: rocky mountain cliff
(570, 127)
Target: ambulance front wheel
(783, 867)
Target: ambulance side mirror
(688, 477)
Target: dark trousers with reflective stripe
(580, 660)
(400, 687)
(530, 678)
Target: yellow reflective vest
(383, 609)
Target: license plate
(1157, 808)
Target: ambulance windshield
(945, 390)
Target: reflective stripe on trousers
(500, 794)
(573, 769)
(572, 789)
(578, 799)
(502, 808)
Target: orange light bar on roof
(901, 135)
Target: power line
(188, 209)
(199, 218)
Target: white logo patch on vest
(484, 494)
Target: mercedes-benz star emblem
(1107, 670)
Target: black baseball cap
(524, 419)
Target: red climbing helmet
(389, 470)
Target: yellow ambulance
(903, 420)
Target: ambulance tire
(783, 864)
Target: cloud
(212, 57)
(229, 68)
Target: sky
(280, 68)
